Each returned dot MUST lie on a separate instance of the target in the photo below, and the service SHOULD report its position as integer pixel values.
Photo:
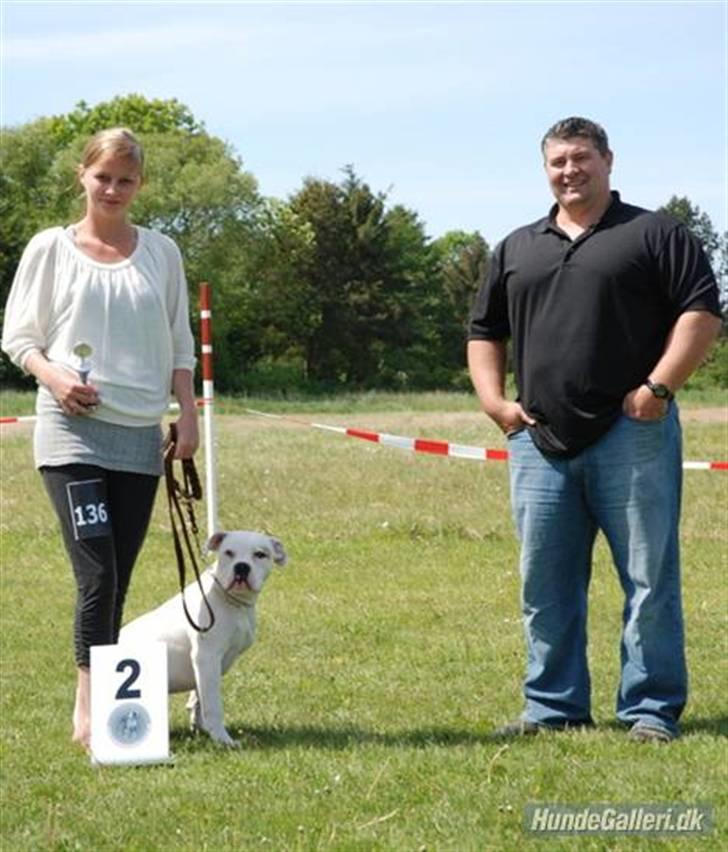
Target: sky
(440, 105)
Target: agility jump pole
(208, 397)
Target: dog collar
(231, 598)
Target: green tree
(722, 272)
(714, 371)
(698, 222)
(142, 115)
(409, 344)
(461, 262)
(27, 156)
(365, 278)
(714, 244)
(266, 307)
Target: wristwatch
(660, 391)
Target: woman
(119, 289)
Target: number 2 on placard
(125, 690)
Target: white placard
(129, 703)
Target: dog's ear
(280, 557)
(214, 542)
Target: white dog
(196, 660)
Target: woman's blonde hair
(119, 141)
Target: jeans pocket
(636, 441)
(644, 422)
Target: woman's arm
(188, 435)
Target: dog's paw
(223, 738)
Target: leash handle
(192, 490)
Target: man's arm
(487, 365)
(687, 345)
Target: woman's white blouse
(133, 313)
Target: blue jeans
(628, 485)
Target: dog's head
(244, 560)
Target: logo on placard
(129, 724)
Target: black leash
(186, 494)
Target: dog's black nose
(242, 569)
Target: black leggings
(104, 516)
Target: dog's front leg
(208, 677)
(193, 707)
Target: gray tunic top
(68, 439)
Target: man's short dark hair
(567, 128)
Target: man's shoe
(522, 728)
(519, 728)
(641, 732)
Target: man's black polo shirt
(589, 318)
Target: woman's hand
(74, 397)
(188, 434)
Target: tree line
(332, 287)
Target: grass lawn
(388, 650)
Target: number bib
(89, 512)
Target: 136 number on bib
(88, 505)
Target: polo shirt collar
(548, 223)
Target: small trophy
(82, 352)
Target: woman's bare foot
(82, 709)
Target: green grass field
(387, 652)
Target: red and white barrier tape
(25, 419)
(439, 448)
(417, 445)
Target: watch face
(660, 391)
(129, 724)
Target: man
(610, 308)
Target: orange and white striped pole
(208, 394)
